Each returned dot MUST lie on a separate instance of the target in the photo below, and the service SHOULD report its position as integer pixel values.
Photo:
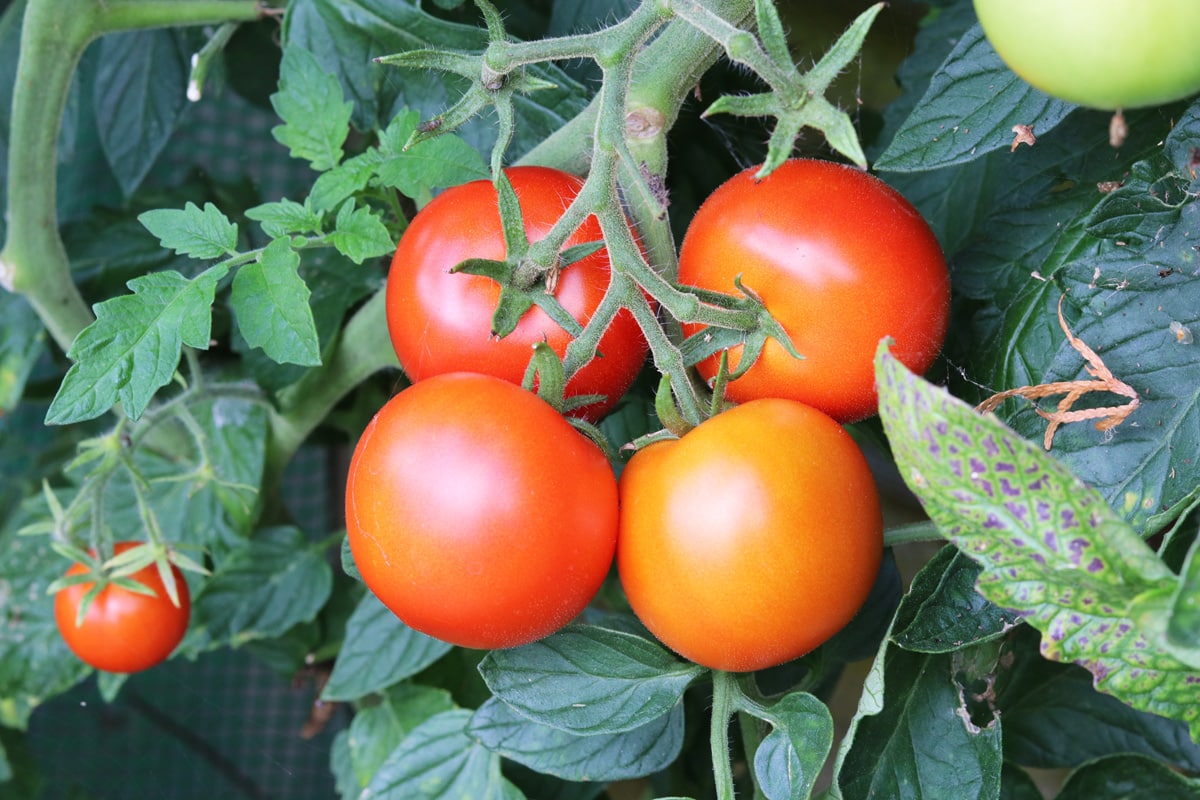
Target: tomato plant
(1107, 54)
(441, 320)
(477, 533)
(123, 630)
(196, 328)
(841, 260)
(751, 540)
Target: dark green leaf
(1184, 627)
(589, 680)
(346, 783)
(1127, 777)
(359, 234)
(1016, 784)
(379, 729)
(276, 580)
(912, 733)
(140, 94)
(632, 753)
(969, 110)
(133, 347)
(379, 651)
(316, 118)
(438, 761)
(943, 612)
(270, 300)
(789, 760)
(192, 232)
(1054, 717)
(1049, 545)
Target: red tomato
(441, 321)
(477, 514)
(124, 631)
(841, 260)
(752, 539)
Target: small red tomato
(124, 631)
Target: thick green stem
(362, 350)
(34, 261)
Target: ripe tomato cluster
(480, 516)
(123, 630)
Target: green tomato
(1105, 54)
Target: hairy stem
(725, 694)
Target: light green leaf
(270, 301)
(309, 101)
(133, 347)
(286, 217)
(359, 234)
(192, 232)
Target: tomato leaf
(270, 300)
(359, 234)
(438, 761)
(942, 612)
(790, 758)
(192, 232)
(274, 581)
(378, 729)
(1054, 717)
(589, 680)
(139, 95)
(286, 216)
(1184, 628)
(379, 651)
(969, 110)
(1129, 775)
(1050, 547)
(133, 347)
(912, 730)
(446, 160)
(316, 118)
(609, 756)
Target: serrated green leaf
(438, 761)
(316, 117)
(192, 232)
(1051, 548)
(416, 171)
(270, 301)
(789, 760)
(274, 581)
(379, 651)
(359, 234)
(1184, 626)
(634, 753)
(589, 680)
(286, 217)
(352, 175)
(969, 110)
(133, 347)
(942, 612)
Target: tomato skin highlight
(1103, 54)
(124, 631)
(841, 260)
(477, 514)
(441, 321)
(751, 540)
